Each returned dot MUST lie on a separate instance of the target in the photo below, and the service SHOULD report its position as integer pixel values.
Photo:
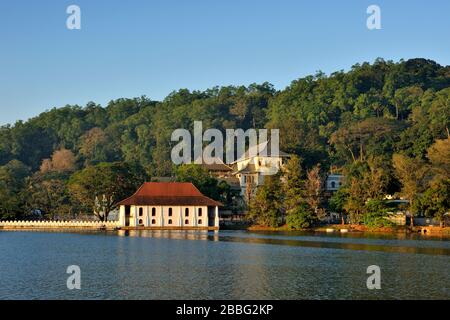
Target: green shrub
(301, 218)
(376, 214)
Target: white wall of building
(263, 166)
(166, 216)
(334, 182)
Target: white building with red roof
(169, 205)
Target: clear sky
(152, 47)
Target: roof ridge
(155, 192)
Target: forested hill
(372, 121)
(400, 107)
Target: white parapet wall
(59, 224)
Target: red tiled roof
(169, 193)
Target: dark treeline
(385, 125)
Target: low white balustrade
(59, 224)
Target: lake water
(221, 265)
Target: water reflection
(394, 243)
(170, 234)
(223, 265)
(338, 245)
(381, 243)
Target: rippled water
(221, 265)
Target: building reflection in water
(169, 234)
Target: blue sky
(152, 47)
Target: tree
(376, 214)
(314, 192)
(200, 178)
(99, 188)
(405, 99)
(439, 156)
(302, 197)
(302, 217)
(293, 184)
(46, 166)
(428, 122)
(93, 146)
(13, 177)
(265, 206)
(62, 160)
(438, 111)
(413, 175)
(356, 200)
(365, 181)
(376, 177)
(30, 143)
(48, 193)
(436, 200)
(230, 198)
(338, 202)
(372, 136)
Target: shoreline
(329, 229)
(349, 228)
(103, 228)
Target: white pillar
(147, 211)
(216, 218)
(135, 215)
(122, 216)
(195, 216)
(162, 216)
(180, 223)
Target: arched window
(153, 212)
(170, 221)
(199, 212)
(153, 221)
(186, 212)
(141, 212)
(141, 222)
(170, 212)
(186, 221)
(333, 184)
(200, 221)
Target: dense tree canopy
(99, 188)
(343, 120)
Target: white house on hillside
(256, 163)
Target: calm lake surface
(223, 265)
